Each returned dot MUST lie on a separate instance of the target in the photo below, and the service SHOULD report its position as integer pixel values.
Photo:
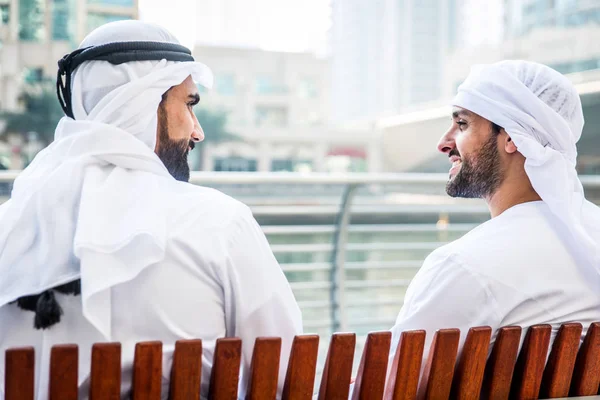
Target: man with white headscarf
(512, 142)
(101, 241)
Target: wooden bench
(571, 370)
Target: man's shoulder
(183, 191)
(522, 235)
(215, 210)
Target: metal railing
(350, 244)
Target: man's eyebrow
(461, 113)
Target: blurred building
(564, 34)
(35, 34)
(388, 55)
(278, 104)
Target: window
(33, 75)
(5, 13)
(123, 3)
(225, 84)
(290, 165)
(266, 84)
(271, 116)
(62, 28)
(31, 20)
(307, 89)
(237, 164)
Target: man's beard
(173, 153)
(479, 176)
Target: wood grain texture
(586, 375)
(264, 370)
(335, 383)
(186, 372)
(302, 367)
(64, 364)
(529, 369)
(19, 374)
(468, 377)
(105, 378)
(556, 381)
(225, 373)
(372, 370)
(403, 381)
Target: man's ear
(509, 145)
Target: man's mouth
(456, 163)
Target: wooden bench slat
(559, 369)
(370, 379)
(147, 371)
(64, 363)
(468, 376)
(186, 372)
(439, 370)
(499, 370)
(264, 370)
(529, 369)
(335, 383)
(403, 381)
(586, 374)
(302, 366)
(105, 378)
(19, 374)
(225, 373)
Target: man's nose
(198, 134)
(446, 143)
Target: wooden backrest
(335, 382)
(63, 372)
(19, 374)
(439, 369)
(570, 370)
(468, 376)
(186, 371)
(529, 370)
(403, 379)
(264, 370)
(370, 379)
(559, 369)
(147, 371)
(105, 376)
(225, 373)
(501, 364)
(586, 375)
(302, 366)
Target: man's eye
(461, 125)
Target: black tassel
(28, 303)
(48, 311)
(73, 288)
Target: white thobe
(515, 269)
(219, 279)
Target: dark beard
(173, 153)
(479, 176)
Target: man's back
(515, 269)
(219, 278)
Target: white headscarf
(541, 111)
(90, 206)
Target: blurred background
(324, 118)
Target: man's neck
(510, 194)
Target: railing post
(338, 260)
